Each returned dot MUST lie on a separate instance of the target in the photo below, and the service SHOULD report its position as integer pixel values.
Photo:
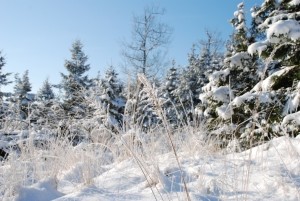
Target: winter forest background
(234, 97)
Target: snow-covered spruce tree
(76, 82)
(46, 93)
(259, 15)
(42, 112)
(195, 76)
(3, 81)
(107, 100)
(211, 55)
(188, 88)
(172, 105)
(238, 75)
(21, 98)
(3, 76)
(280, 83)
(139, 110)
(145, 114)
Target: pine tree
(172, 106)
(46, 93)
(259, 15)
(145, 114)
(3, 76)
(280, 52)
(3, 81)
(238, 76)
(243, 66)
(191, 81)
(42, 113)
(197, 74)
(76, 81)
(21, 89)
(186, 95)
(22, 86)
(108, 100)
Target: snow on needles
(225, 111)
(294, 118)
(288, 28)
(257, 47)
(237, 59)
(263, 97)
(267, 84)
(294, 2)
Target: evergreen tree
(196, 75)
(243, 66)
(185, 94)
(3, 76)
(76, 81)
(280, 52)
(45, 93)
(145, 114)
(21, 89)
(42, 113)
(238, 76)
(3, 81)
(259, 15)
(172, 106)
(108, 100)
(22, 86)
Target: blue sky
(37, 35)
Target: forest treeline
(244, 95)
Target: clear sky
(37, 34)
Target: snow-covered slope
(268, 172)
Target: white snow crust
(268, 172)
(288, 28)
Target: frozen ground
(268, 172)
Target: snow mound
(42, 191)
(267, 172)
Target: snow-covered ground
(267, 172)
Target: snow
(240, 5)
(294, 2)
(242, 26)
(292, 104)
(263, 97)
(267, 172)
(266, 84)
(294, 118)
(237, 59)
(288, 28)
(225, 112)
(217, 75)
(222, 93)
(3, 144)
(257, 47)
(42, 191)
